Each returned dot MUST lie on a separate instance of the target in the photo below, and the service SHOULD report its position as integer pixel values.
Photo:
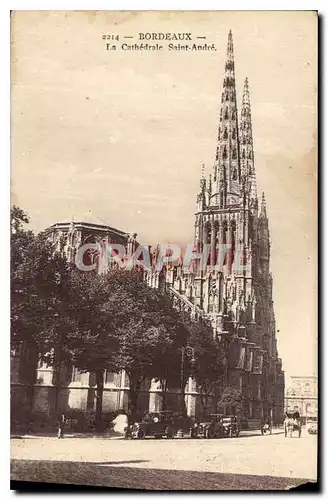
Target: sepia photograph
(163, 261)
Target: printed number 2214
(110, 37)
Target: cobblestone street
(249, 455)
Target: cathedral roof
(87, 221)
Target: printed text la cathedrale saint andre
(157, 41)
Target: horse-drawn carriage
(292, 424)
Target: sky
(119, 137)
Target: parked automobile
(209, 427)
(231, 426)
(312, 427)
(160, 424)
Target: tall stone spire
(248, 177)
(263, 212)
(227, 168)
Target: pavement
(250, 461)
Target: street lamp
(189, 352)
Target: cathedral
(233, 291)
(230, 288)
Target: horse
(291, 425)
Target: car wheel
(168, 432)
(209, 434)
(141, 434)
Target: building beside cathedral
(232, 291)
(302, 395)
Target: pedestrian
(61, 426)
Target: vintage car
(161, 424)
(312, 426)
(209, 427)
(231, 426)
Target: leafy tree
(209, 364)
(231, 398)
(39, 278)
(18, 218)
(90, 343)
(148, 333)
(167, 370)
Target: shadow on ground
(81, 473)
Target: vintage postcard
(164, 249)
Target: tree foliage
(231, 398)
(149, 333)
(209, 364)
(39, 283)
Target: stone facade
(302, 395)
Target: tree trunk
(99, 398)
(133, 396)
(183, 407)
(33, 366)
(203, 401)
(56, 379)
(133, 401)
(163, 393)
(135, 384)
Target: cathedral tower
(234, 291)
(227, 167)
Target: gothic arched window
(226, 114)
(233, 115)
(234, 174)
(234, 133)
(224, 153)
(234, 154)
(250, 155)
(243, 155)
(225, 135)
